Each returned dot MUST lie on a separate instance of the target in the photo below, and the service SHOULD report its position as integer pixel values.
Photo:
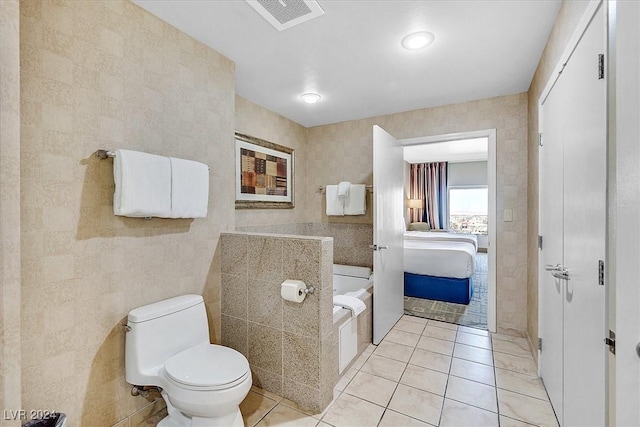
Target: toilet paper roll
(293, 290)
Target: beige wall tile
(265, 347)
(235, 334)
(109, 75)
(301, 359)
(10, 222)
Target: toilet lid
(207, 365)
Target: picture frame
(264, 174)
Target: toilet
(167, 346)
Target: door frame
(490, 134)
(624, 206)
(571, 46)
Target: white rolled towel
(350, 303)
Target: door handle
(563, 274)
(378, 247)
(550, 267)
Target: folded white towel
(356, 204)
(343, 189)
(351, 303)
(143, 184)
(189, 188)
(335, 205)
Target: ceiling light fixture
(310, 98)
(418, 40)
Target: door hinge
(540, 344)
(539, 242)
(600, 66)
(601, 272)
(540, 139)
(611, 341)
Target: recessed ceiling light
(418, 40)
(310, 98)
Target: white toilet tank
(160, 330)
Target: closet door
(551, 257)
(584, 230)
(573, 219)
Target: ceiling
(352, 55)
(464, 150)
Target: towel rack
(369, 187)
(105, 154)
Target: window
(468, 210)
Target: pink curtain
(429, 183)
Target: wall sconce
(414, 203)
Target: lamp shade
(414, 203)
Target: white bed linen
(437, 258)
(442, 236)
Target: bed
(439, 266)
(443, 236)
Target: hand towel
(356, 203)
(343, 189)
(350, 303)
(189, 188)
(143, 184)
(335, 205)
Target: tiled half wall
(350, 241)
(291, 347)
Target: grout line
(475, 406)
(495, 379)
(444, 398)
(523, 394)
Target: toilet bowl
(167, 345)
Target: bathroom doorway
(467, 210)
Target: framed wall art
(264, 174)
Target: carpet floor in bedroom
(473, 315)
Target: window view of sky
(468, 201)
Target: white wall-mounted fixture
(417, 40)
(310, 97)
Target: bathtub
(350, 280)
(355, 282)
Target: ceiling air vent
(283, 14)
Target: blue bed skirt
(444, 289)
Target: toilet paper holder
(308, 290)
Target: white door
(573, 220)
(585, 180)
(388, 226)
(551, 228)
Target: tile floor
(425, 373)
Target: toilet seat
(207, 367)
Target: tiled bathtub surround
(291, 347)
(350, 241)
